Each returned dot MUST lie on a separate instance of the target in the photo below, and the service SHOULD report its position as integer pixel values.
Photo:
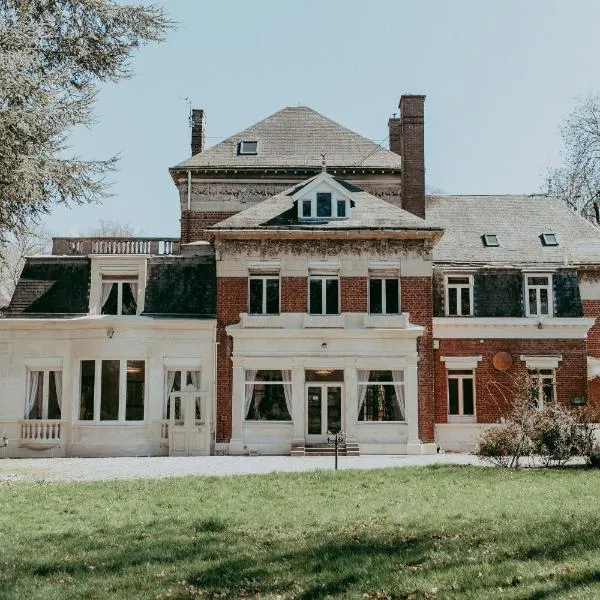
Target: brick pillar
(412, 150)
(198, 125)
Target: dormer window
(248, 147)
(549, 239)
(119, 296)
(490, 240)
(323, 206)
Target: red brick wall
(232, 299)
(353, 291)
(591, 308)
(417, 299)
(193, 224)
(491, 386)
(294, 294)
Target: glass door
(323, 410)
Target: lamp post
(336, 439)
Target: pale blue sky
(500, 76)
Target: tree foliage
(577, 181)
(53, 55)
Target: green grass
(431, 532)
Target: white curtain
(250, 377)
(287, 389)
(169, 382)
(363, 377)
(106, 289)
(195, 377)
(398, 378)
(58, 387)
(34, 380)
(134, 292)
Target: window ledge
(399, 321)
(325, 321)
(458, 419)
(248, 320)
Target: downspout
(215, 356)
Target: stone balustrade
(115, 245)
(41, 433)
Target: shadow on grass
(210, 556)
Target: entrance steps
(345, 449)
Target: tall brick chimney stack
(197, 131)
(407, 138)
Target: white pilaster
(351, 395)
(298, 414)
(238, 396)
(411, 390)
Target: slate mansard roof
(58, 287)
(52, 285)
(367, 212)
(296, 137)
(518, 222)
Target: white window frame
(383, 295)
(282, 382)
(119, 283)
(537, 381)
(45, 389)
(537, 287)
(324, 278)
(460, 286)
(313, 207)
(392, 383)
(122, 392)
(460, 375)
(264, 293)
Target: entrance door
(188, 427)
(323, 410)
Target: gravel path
(101, 469)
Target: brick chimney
(408, 140)
(197, 130)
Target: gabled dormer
(323, 199)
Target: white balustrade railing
(153, 246)
(46, 431)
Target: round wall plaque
(502, 361)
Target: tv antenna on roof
(189, 103)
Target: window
(248, 147)
(459, 295)
(324, 296)
(268, 395)
(119, 296)
(384, 298)
(112, 390)
(381, 396)
(543, 386)
(323, 206)
(538, 295)
(549, 239)
(461, 394)
(44, 394)
(490, 240)
(176, 380)
(264, 295)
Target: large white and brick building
(315, 287)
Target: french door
(324, 410)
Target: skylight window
(490, 240)
(549, 239)
(248, 147)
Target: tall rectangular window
(324, 296)
(459, 295)
(109, 394)
(112, 390)
(384, 298)
(538, 295)
(178, 380)
(461, 394)
(44, 391)
(323, 204)
(268, 395)
(381, 396)
(264, 295)
(119, 296)
(543, 386)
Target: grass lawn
(426, 532)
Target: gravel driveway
(101, 469)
